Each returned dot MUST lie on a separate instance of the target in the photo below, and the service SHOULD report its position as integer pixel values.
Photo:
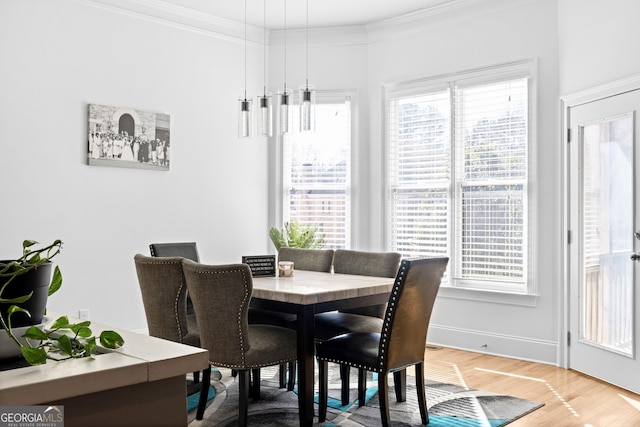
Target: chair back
(187, 250)
(221, 295)
(307, 259)
(406, 321)
(164, 296)
(381, 264)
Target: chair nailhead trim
(384, 336)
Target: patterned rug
(449, 405)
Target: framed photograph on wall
(128, 138)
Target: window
(457, 174)
(317, 172)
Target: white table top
(141, 359)
(311, 287)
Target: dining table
(306, 293)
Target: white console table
(141, 384)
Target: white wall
(482, 34)
(599, 42)
(57, 57)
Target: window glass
(317, 174)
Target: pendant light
(307, 96)
(285, 94)
(244, 104)
(265, 110)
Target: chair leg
(344, 374)
(204, 392)
(243, 406)
(400, 384)
(362, 386)
(292, 376)
(383, 397)
(422, 395)
(323, 390)
(283, 375)
(255, 384)
(196, 377)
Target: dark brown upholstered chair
(401, 342)
(303, 259)
(225, 330)
(187, 250)
(361, 319)
(164, 296)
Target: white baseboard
(513, 347)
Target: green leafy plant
(296, 235)
(63, 340)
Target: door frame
(567, 102)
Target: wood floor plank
(571, 398)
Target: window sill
(527, 300)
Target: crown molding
(321, 37)
(415, 22)
(167, 13)
(170, 14)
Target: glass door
(604, 221)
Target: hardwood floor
(570, 398)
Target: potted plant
(296, 235)
(25, 285)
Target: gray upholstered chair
(400, 343)
(307, 259)
(303, 259)
(361, 319)
(164, 296)
(187, 250)
(225, 330)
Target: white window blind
(491, 139)
(457, 173)
(317, 174)
(419, 173)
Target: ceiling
(322, 13)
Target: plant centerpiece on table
(296, 235)
(24, 290)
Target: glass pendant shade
(244, 117)
(285, 97)
(307, 108)
(265, 114)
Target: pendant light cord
(245, 50)
(285, 45)
(264, 46)
(307, 79)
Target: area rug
(449, 405)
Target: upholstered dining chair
(401, 341)
(303, 259)
(225, 330)
(164, 296)
(187, 250)
(361, 319)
